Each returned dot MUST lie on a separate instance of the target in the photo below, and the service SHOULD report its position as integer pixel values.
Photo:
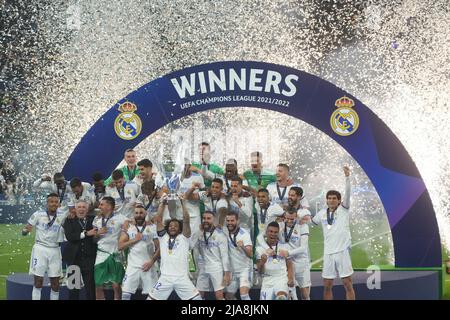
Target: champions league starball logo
(344, 121)
(127, 125)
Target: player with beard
(143, 242)
(279, 190)
(277, 270)
(294, 202)
(240, 250)
(215, 264)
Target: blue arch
(298, 94)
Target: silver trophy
(171, 169)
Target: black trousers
(86, 265)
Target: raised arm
(346, 198)
(158, 218)
(186, 219)
(190, 195)
(44, 183)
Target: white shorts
(45, 259)
(183, 286)
(135, 278)
(337, 265)
(204, 278)
(302, 273)
(271, 286)
(239, 280)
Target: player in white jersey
(146, 174)
(337, 240)
(240, 251)
(188, 179)
(241, 202)
(108, 268)
(266, 212)
(148, 198)
(295, 236)
(279, 190)
(277, 270)
(124, 194)
(46, 254)
(143, 242)
(80, 191)
(215, 265)
(294, 197)
(59, 186)
(231, 171)
(174, 243)
(213, 199)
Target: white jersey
(125, 202)
(279, 195)
(336, 235)
(151, 208)
(109, 241)
(213, 249)
(51, 187)
(238, 258)
(48, 233)
(275, 266)
(296, 239)
(212, 204)
(97, 195)
(87, 195)
(174, 262)
(265, 216)
(159, 181)
(192, 206)
(245, 212)
(143, 250)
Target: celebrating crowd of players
(222, 229)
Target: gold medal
(275, 260)
(170, 251)
(261, 226)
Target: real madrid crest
(127, 125)
(344, 121)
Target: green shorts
(109, 271)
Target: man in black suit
(81, 248)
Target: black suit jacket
(75, 246)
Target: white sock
(126, 296)
(245, 297)
(54, 295)
(36, 294)
(293, 293)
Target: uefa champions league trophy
(171, 171)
